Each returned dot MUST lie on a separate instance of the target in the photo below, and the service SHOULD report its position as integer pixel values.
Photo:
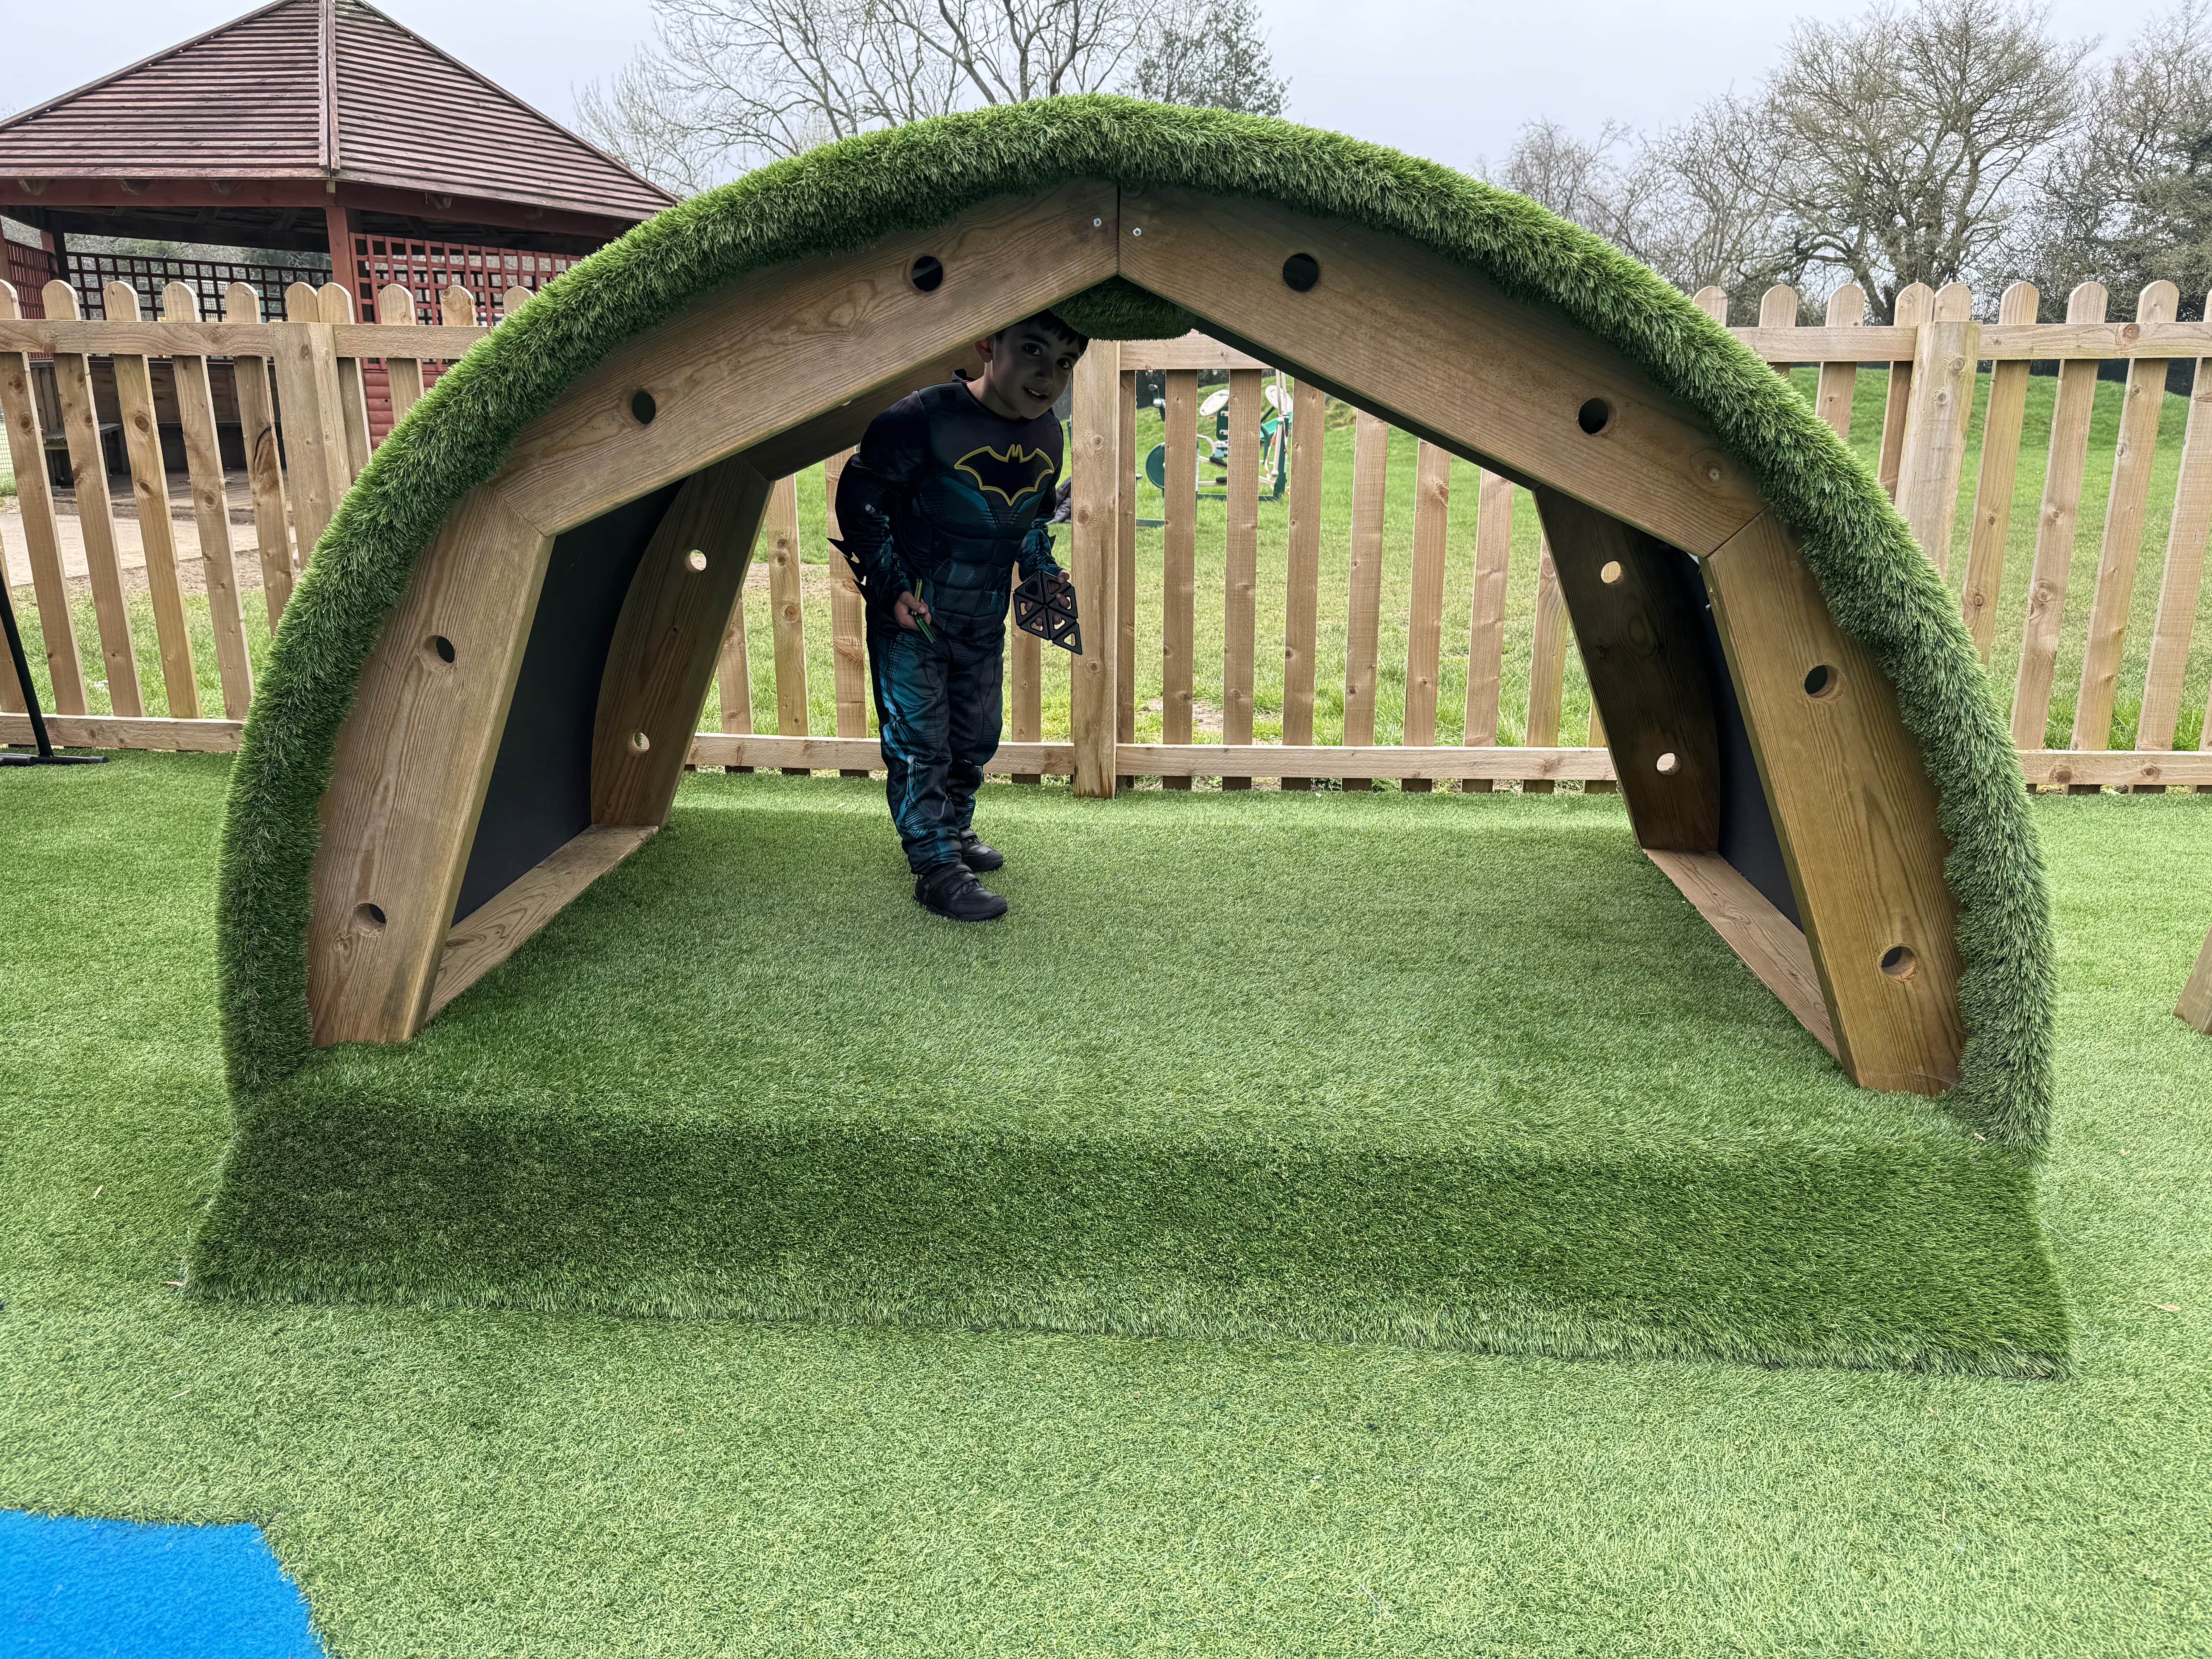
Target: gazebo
(308, 125)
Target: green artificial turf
(844, 195)
(1449, 1070)
(574, 1487)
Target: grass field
(469, 1482)
(1871, 390)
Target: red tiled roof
(253, 99)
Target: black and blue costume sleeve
(946, 499)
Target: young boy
(949, 495)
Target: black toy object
(1048, 612)
(46, 757)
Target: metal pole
(46, 757)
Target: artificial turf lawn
(472, 1482)
(1441, 1069)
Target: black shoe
(978, 857)
(954, 893)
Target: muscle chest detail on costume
(986, 479)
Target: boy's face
(1025, 369)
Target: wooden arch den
(1759, 746)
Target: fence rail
(312, 395)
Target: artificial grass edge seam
(1881, 589)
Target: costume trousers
(939, 705)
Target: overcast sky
(1442, 78)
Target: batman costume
(944, 499)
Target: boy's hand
(909, 611)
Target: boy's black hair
(1052, 323)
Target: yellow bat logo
(1009, 474)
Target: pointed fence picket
(164, 404)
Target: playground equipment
(564, 526)
(1274, 459)
(2195, 1007)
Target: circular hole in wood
(642, 408)
(640, 742)
(1609, 572)
(1821, 682)
(694, 560)
(368, 918)
(1300, 272)
(1898, 961)
(1594, 416)
(927, 273)
(440, 647)
(1669, 763)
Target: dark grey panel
(540, 796)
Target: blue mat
(77, 1590)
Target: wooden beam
(2073, 406)
(264, 469)
(150, 732)
(313, 415)
(1839, 384)
(2004, 342)
(2195, 1007)
(666, 639)
(1444, 353)
(335, 300)
(157, 531)
(1095, 469)
(2134, 455)
(1643, 647)
(848, 621)
(210, 510)
(1362, 604)
(1547, 661)
(27, 451)
(507, 920)
(778, 536)
(1179, 557)
(147, 338)
(1197, 760)
(1936, 427)
(1124, 565)
(1240, 563)
(2117, 769)
(1993, 491)
(1485, 629)
(761, 355)
(95, 514)
(2183, 582)
(1187, 354)
(1302, 574)
(1854, 810)
(1764, 939)
(408, 777)
(1914, 302)
(1425, 607)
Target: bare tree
(1707, 217)
(726, 84)
(1901, 144)
(1577, 179)
(1689, 202)
(1212, 54)
(2129, 201)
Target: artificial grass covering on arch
(844, 195)
(1445, 1071)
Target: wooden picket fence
(298, 389)
(296, 392)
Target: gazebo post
(339, 226)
